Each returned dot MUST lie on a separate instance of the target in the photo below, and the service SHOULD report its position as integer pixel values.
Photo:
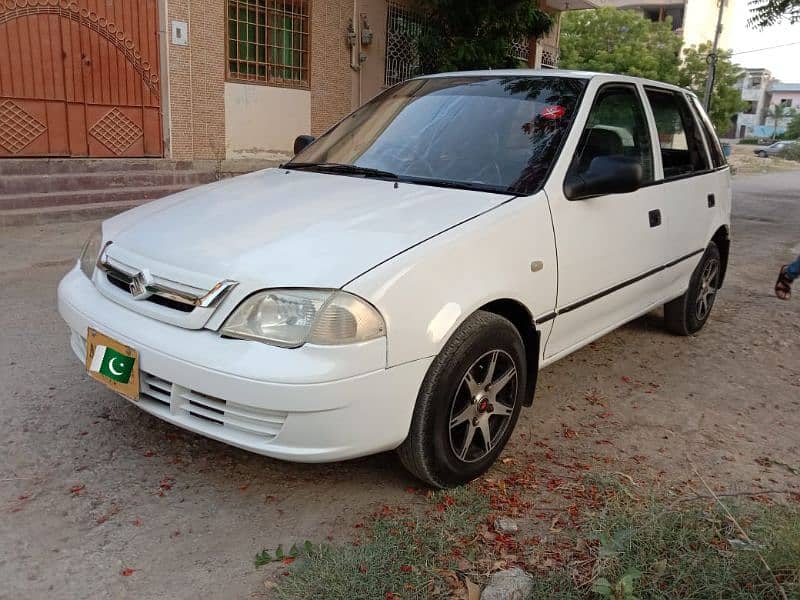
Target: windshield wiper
(344, 169)
(459, 185)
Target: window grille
(268, 41)
(520, 50)
(403, 29)
(549, 56)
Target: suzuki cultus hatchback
(398, 284)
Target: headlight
(291, 318)
(90, 252)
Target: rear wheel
(468, 404)
(687, 315)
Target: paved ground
(90, 486)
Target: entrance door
(79, 78)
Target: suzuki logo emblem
(139, 285)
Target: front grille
(123, 281)
(166, 397)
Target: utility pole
(711, 59)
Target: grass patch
(406, 554)
(621, 547)
(650, 550)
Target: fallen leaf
(473, 589)
(77, 489)
(406, 568)
(363, 568)
(127, 572)
(244, 487)
(137, 522)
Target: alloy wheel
(483, 406)
(708, 289)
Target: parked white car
(399, 283)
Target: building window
(786, 103)
(268, 41)
(403, 29)
(755, 82)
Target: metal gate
(79, 78)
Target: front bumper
(311, 404)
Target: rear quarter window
(682, 149)
(712, 141)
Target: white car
(399, 283)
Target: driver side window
(616, 127)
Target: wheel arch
(722, 238)
(522, 319)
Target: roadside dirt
(745, 162)
(100, 499)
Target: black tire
(429, 452)
(683, 316)
(762, 154)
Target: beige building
(694, 20)
(202, 79)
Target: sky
(783, 62)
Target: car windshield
(495, 133)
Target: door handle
(655, 217)
(712, 201)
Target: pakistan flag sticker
(112, 364)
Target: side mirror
(301, 142)
(605, 175)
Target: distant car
(400, 282)
(773, 149)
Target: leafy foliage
(776, 113)
(764, 13)
(476, 34)
(791, 152)
(619, 41)
(726, 100)
(793, 128)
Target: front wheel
(468, 404)
(762, 154)
(687, 314)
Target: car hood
(292, 228)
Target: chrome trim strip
(208, 300)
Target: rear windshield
(495, 133)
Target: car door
(690, 184)
(610, 248)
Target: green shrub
(751, 141)
(791, 152)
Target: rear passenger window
(682, 150)
(616, 127)
(712, 141)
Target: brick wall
(197, 80)
(332, 78)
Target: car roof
(588, 75)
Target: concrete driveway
(100, 499)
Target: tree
(793, 128)
(619, 41)
(777, 113)
(726, 100)
(476, 34)
(764, 13)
